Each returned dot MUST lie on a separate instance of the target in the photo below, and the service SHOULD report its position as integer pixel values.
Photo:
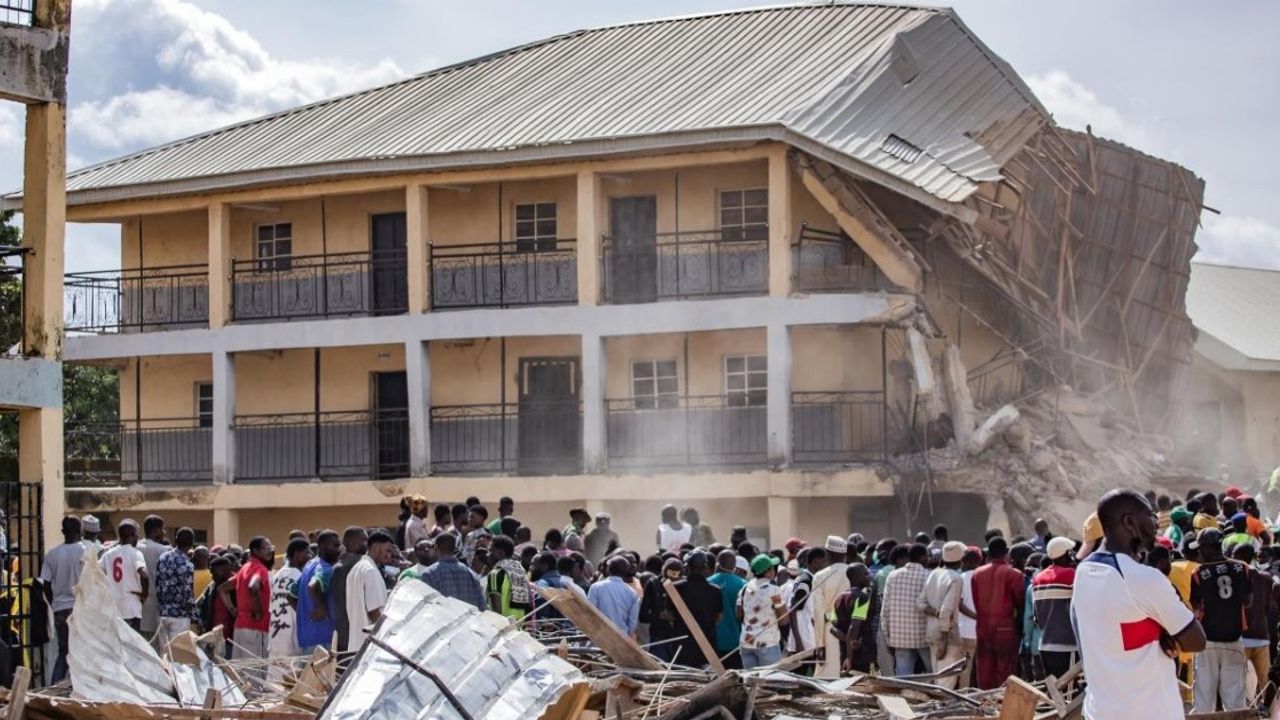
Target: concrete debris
(958, 397)
(991, 428)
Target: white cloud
(12, 124)
(1074, 106)
(1242, 241)
(204, 73)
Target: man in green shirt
(507, 586)
(729, 629)
(425, 553)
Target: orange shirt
(1254, 526)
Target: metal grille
(18, 12)
(21, 640)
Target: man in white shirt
(415, 528)
(1130, 619)
(127, 576)
(940, 602)
(366, 590)
(152, 546)
(828, 585)
(61, 573)
(967, 622)
(282, 638)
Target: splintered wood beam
(862, 222)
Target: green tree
(90, 393)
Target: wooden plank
(18, 693)
(694, 631)
(212, 701)
(621, 649)
(898, 708)
(1020, 700)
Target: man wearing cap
(415, 528)
(704, 604)
(92, 534)
(602, 540)
(1092, 534)
(1179, 525)
(1220, 591)
(1239, 534)
(940, 602)
(827, 587)
(761, 611)
(1051, 598)
(793, 547)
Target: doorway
(633, 233)
(549, 439)
(388, 267)
(391, 424)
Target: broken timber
(620, 648)
(692, 628)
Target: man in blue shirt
(315, 604)
(615, 599)
(729, 629)
(451, 578)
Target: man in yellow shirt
(202, 577)
(1207, 516)
(1180, 572)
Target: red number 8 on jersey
(117, 569)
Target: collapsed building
(807, 268)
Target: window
(535, 227)
(746, 380)
(274, 247)
(744, 215)
(204, 404)
(654, 384)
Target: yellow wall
(835, 358)
(707, 351)
(695, 205)
(168, 386)
(470, 213)
(467, 373)
(173, 239)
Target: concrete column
(782, 520)
(591, 223)
(780, 223)
(778, 416)
(593, 416)
(417, 366)
(220, 289)
(418, 239)
(44, 213)
(226, 528)
(224, 415)
(40, 461)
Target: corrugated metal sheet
(833, 74)
(496, 671)
(1237, 306)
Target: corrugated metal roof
(1238, 307)
(841, 76)
(494, 670)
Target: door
(550, 427)
(633, 238)
(391, 424)
(388, 270)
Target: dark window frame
(647, 389)
(268, 252)
(743, 214)
(746, 380)
(204, 395)
(537, 231)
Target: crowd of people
(1148, 575)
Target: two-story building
(614, 269)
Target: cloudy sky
(1192, 82)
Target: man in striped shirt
(1051, 597)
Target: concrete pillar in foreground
(417, 243)
(594, 456)
(591, 223)
(220, 286)
(417, 366)
(779, 223)
(778, 422)
(224, 415)
(782, 520)
(226, 528)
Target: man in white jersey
(1129, 620)
(126, 571)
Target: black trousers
(60, 669)
(1056, 663)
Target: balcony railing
(508, 274)
(826, 261)
(137, 299)
(320, 286)
(541, 438)
(838, 427)
(324, 446)
(675, 266)
(676, 431)
(153, 450)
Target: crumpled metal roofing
(1237, 306)
(834, 77)
(496, 671)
